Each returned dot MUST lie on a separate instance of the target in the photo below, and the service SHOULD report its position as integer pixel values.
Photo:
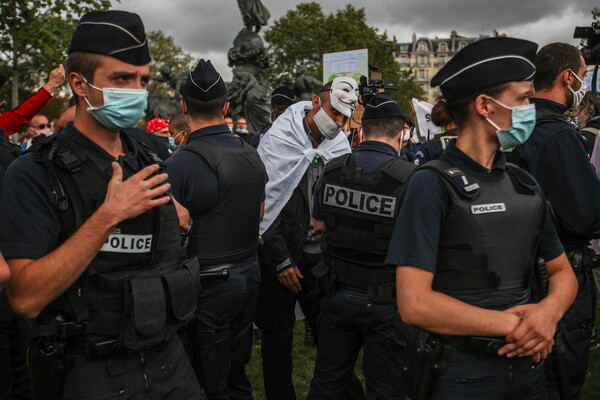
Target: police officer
(281, 98)
(221, 180)
(355, 204)
(475, 224)
(93, 242)
(555, 149)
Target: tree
(34, 37)
(304, 34)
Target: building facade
(425, 57)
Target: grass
(304, 361)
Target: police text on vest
(488, 208)
(117, 243)
(362, 202)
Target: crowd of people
(134, 263)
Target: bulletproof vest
(148, 246)
(229, 232)
(489, 237)
(360, 208)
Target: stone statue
(254, 14)
(248, 93)
(304, 84)
(166, 105)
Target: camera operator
(556, 157)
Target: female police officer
(474, 225)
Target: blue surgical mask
(123, 108)
(523, 122)
(242, 131)
(172, 144)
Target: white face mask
(326, 125)
(344, 95)
(580, 93)
(45, 131)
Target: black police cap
(382, 105)
(485, 63)
(283, 96)
(204, 83)
(119, 34)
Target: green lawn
(304, 359)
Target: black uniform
(105, 348)
(220, 179)
(555, 155)
(461, 231)
(357, 197)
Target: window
(422, 75)
(422, 46)
(442, 60)
(443, 47)
(421, 61)
(404, 61)
(461, 45)
(404, 48)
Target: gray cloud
(206, 28)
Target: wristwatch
(186, 233)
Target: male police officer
(221, 180)
(92, 241)
(556, 157)
(355, 202)
(294, 150)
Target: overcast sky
(206, 28)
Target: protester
(178, 131)
(281, 99)
(91, 231)
(464, 263)
(296, 148)
(221, 180)
(12, 121)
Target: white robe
(286, 150)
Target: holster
(157, 305)
(426, 358)
(48, 366)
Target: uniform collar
(462, 161)
(380, 147)
(549, 105)
(220, 129)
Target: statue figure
(254, 14)
(166, 105)
(304, 84)
(248, 93)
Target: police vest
(360, 208)
(135, 287)
(490, 236)
(229, 232)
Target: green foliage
(304, 34)
(34, 37)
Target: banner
(427, 129)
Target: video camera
(367, 89)
(591, 52)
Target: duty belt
(220, 267)
(83, 347)
(377, 294)
(487, 345)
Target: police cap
(485, 63)
(204, 83)
(283, 96)
(119, 34)
(382, 105)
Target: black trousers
(14, 376)
(223, 334)
(346, 326)
(577, 324)
(275, 318)
(159, 373)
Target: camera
(367, 88)
(591, 52)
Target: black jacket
(285, 238)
